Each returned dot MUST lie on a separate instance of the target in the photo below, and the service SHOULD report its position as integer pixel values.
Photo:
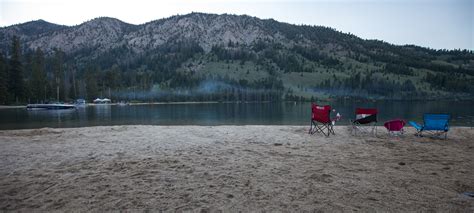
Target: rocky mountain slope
(108, 33)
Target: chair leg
(374, 129)
(325, 129)
(329, 129)
(319, 128)
(353, 128)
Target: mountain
(27, 31)
(198, 54)
(107, 33)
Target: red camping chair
(366, 120)
(395, 126)
(320, 120)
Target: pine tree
(91, 84)
(3, 81)
(112, 78)
(15, 83)
(73, 83)
(38, 83)
(27, 72)
(58, 71)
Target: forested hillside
(207, 57)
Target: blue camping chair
(434, 124)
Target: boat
(122, 103)
(102, 101)
(52, 106)
(49, 106)
(80, 102)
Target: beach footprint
(325, 178)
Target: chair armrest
(415, 125)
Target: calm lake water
(226, 114)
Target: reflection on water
(103, 112)
(48, 116)
(225, 113)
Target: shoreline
(249, 102)
(381, 130)
(12, 107)
(232, 168)
(150, 103)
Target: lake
(280, 113)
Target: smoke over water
(205, 91)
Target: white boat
(80, 102)
(121, 103)
(102, 101)
(49, 106)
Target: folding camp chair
(366, 120)
(395, 126)
(433, 124)
(320, 120)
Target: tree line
(33, 78)
(36, 77)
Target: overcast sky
(439, 24)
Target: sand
(233, 168)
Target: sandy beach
(233, 168)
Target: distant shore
(12, 107)
(233, 168)
(219, 102)
(142, 103)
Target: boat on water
(102, 101)
(122, 103)
(80, 102)
(49, 106)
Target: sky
(437, 24)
